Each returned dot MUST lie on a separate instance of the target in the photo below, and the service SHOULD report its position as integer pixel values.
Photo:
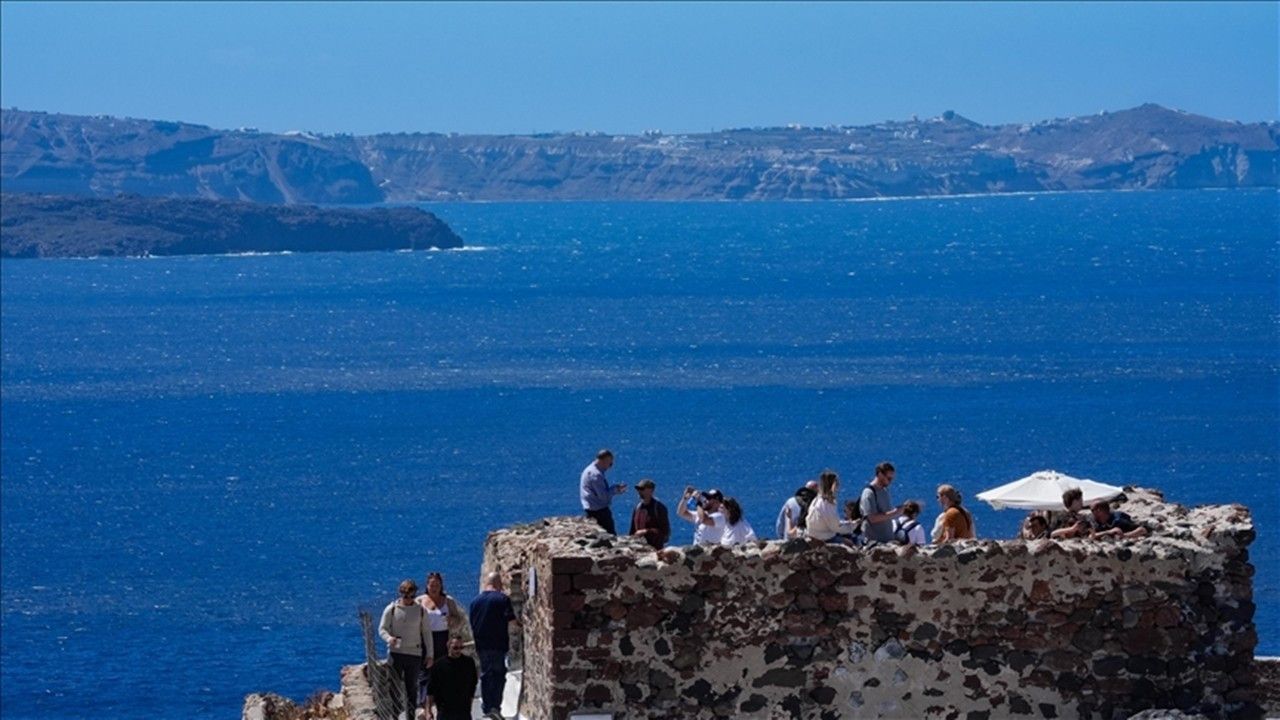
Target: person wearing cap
(649, 519)
(710, 522)
(596, 492)
(791, 518)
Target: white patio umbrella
(1043, 491)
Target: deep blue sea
(209, 463)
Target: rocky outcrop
(321, 706)
(978, 629)
(63, 226)
(1268, 670)
(1143, 148)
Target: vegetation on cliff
(64, 226)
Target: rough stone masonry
(800, 629)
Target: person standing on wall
(491, 616)
(878, 511)
(452, 685)
(404, 629)
(650, 519)
(596, 492)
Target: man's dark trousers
(493, 679)
(604, 516)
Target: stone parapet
(800, 629)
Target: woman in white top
(444, 617)
(823, 521)
(737, 530)
(710, 522)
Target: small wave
(465, 248)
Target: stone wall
(979, 629)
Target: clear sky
(369, 67)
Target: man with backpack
(878, 511)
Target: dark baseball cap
(645, 483)
(713, 495)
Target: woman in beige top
(823, 521)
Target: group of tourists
(1100, 523)
(428, 636)
(813, 511)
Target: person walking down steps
(404, 629)
(491, 618)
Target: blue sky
(371, 67)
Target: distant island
(1147, 147)
(33, 226)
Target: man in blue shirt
(491, 613)
(596, 492)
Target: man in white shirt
(710, 522)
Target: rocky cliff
(67, 226)
(1142, 148)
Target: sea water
(210, 463)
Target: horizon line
(914, 118)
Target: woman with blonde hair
(955, 523)
(823, 521)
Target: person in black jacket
(452, 685)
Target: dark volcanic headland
(128, 225)
(1147, 147)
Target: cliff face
(1142, 148)
(64, 226)
(69, 154)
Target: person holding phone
(878, 511)
(709, 522)
(597, 494)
